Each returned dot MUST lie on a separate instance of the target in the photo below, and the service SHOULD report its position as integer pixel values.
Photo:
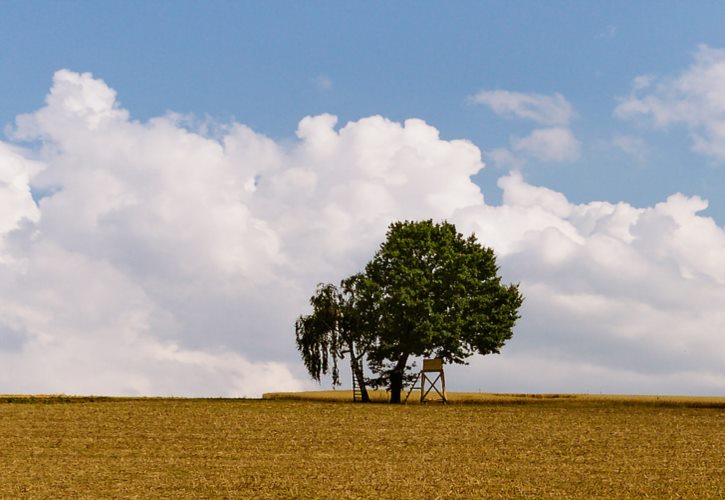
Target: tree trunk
(396, 379)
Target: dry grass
(552, 447)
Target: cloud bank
(159, 258)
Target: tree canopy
(427, 291)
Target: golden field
(495, 446)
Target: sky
(176, 177)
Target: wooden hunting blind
(426, 377)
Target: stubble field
(501, 446)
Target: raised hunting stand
(430, 366)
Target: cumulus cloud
(694, 98)
(192, 256)
(16, 200)
(163, 261)
(611, 290)
(545, 109)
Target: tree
(333, 330)
(428, 291)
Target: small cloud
(641, 82)
(631, 145)
(545, 109)
(504, 159)
(556, 144)
(609, 32)
(322, 82)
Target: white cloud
(611, 288)
(555, 144)
(210, 246)
(695, 98)
(164, 261)
(545, 109)
(16, 201)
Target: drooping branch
(331, 332)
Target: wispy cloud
(545, 109)
(554, 143)
(631, 145)
(694, 98)
(322, 82)
(609, 32)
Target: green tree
(333, 330)
(428, 291)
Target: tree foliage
(428, 291)
(436, 294)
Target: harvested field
(500, 398)
(514, 446)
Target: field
(495, 446)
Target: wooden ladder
(356, 391)
(412, 388)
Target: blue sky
(173, 183)
(260, 63)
